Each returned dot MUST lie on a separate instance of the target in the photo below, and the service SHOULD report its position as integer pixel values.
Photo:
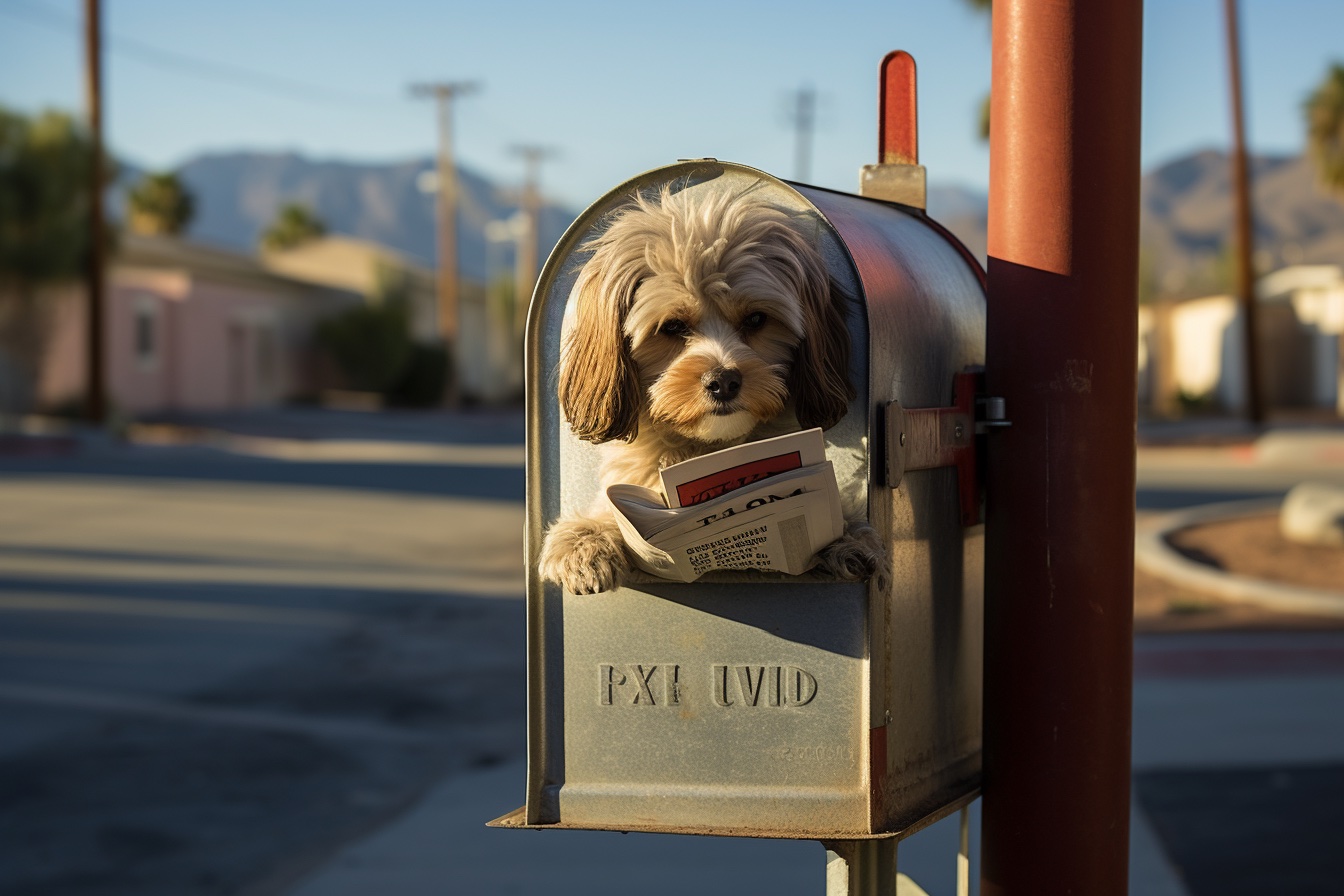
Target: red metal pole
(1063, 260)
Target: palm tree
(160, 204)
(294, 225)
(1324, 110)
(982, 121)
(44, 235)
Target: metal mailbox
(759, 704)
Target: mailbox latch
(927, 438)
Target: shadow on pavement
(1250, 831)
(486, 483)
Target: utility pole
(802, 116)
(527, 252)
(1059, 487)
(95, 273)
(443, 93)
(1245, 248)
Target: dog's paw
(856, 556)
(585, 555)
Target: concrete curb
(1153, 554)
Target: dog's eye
(754, 321)
(675, 328)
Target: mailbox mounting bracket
(928, 438)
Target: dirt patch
(1250, 547)
(1254, 548)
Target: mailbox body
(760, 704)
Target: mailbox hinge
(927, 438)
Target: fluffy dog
(703, 319)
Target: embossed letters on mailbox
(660, 684)
(783, 686)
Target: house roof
(345, 262)
(213, 263)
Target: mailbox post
(1063, 247)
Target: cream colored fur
(704, 319)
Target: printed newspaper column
(768, 505)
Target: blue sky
(615, 88)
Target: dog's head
(705, 312)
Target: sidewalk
(1204, 707)
(1238, 757)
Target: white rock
(1313, 513)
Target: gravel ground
(1249, 547)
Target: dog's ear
(598, 387)
(819, 381)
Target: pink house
(193, 328)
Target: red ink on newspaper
(706, 488)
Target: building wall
(358, 265)
(61, 375)
(143, 309)
(177, 341)
(1196, 346)
(1205, 334)
(1321, 310)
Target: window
(146, 332)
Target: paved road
(210, 675)
(221, 662)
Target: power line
(236, 76)
(202, 68)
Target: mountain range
(1185, 221)
(237, 195)
(1185, 215)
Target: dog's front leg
(585, 554)
(856, 556)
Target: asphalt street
(215, 668)
(239, 662)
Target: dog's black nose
(723, 383)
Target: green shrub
(371, 344)
(424, 378)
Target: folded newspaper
(767, 505)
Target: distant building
(1316, 295)
(488, 366)
(363, 267)
(1192, 351)
(191, 328)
